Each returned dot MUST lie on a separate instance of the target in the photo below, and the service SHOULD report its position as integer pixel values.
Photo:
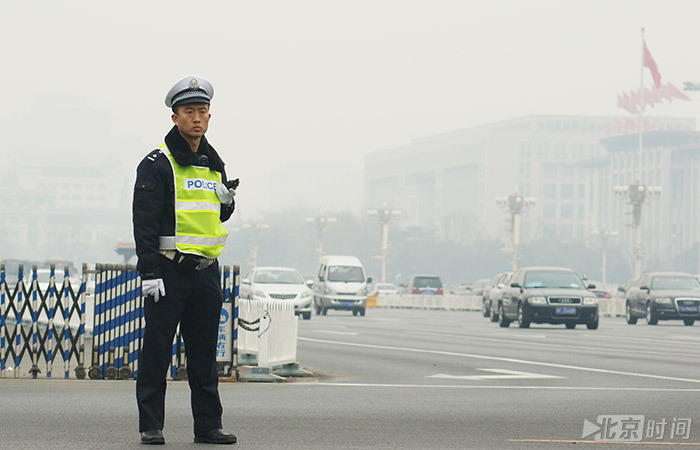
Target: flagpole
(638, 213)
(641, 111)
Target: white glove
(156, 288)
(225, 195)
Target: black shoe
(152, 437)
(214, 437)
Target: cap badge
(194, 84)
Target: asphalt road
(411, 379)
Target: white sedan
(279, 283)
(385, 289)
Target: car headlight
(259, 294)
(305, 294)
(537, 300)
(329, 291)
(590, 300)
(663, 301)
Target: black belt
(188, 262)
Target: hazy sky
(299, 83)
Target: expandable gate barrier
(41, 323)
(48, 323)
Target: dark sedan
(547, 295)
(664, 296)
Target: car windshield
(427, 282)
(386, 286)
(675, 283)
(552, 279)
(346, 274)
(277, 276)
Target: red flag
(651, 65)
(674, 92)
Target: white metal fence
(268, 329)
(607, 306)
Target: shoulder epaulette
(155, 154)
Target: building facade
(450, 182)
(76, 213)
(670, 224)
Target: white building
(670, 222)
(449, 182)
(76, 213)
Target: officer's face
(192, 120)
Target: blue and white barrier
(40, 323)
(48, 322)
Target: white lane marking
(498, 358)
(482, 386)
(695, 338)
(505, 374)
(384, 320)
(567, 346)
(351, 333)
(629, 338)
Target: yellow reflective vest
(198, 227)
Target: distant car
(553, 295)
(462, 289)
(384, 289)
(663, 296)
(599, 289)
(279, 283)
(494, 295)
(478, 288)
(424, 284)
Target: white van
(340, 283)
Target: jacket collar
(184, 156)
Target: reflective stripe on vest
(198, 227)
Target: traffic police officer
(181, 198)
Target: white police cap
(192, 89)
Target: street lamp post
(636, 195)
(604, 235)
(385, 217)
(256, 229)
(515, 203)
(320, 223)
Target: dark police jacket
(154, 198)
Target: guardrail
(450, 302)
(614, 306)
(268, 330)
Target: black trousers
(193, 300)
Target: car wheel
(354, 312)
(324, 311)
(503, 322)
(522, 320)
(570, 325)
(362, 312)
(306, 315)
(652, 319)
(689, 322)
(493, 314)
(484, 309)
(628, 315)
(592, 324)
